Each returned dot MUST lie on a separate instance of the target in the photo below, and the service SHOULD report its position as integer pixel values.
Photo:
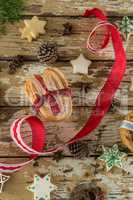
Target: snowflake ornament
(3, 180)
(126, 27)
(112, 157)
(42, 187)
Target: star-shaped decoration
(36, 26)
(80, 65)
(42, 187)
(25, 33)
(112, 157)
(32, 28)
(126, 27)
(3, 180)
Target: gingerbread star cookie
(32, 28)
(112, 157)
(42, 187)
(25, 33)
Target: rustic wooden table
(68, 172)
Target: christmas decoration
(51, 84)
(126, 131)
(26, 33)
(115, 105)
(79, 149)
(32, 28)
(80, 65)
(87, 191)
(126, 27)
(67, 29)
(50, 95)
(3, 180)
(10, 11)
(15, 63)
(42, 187)
(48, 53)
(112, 157)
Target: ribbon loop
(105, 40)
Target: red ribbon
(102, 104)
(105, 97)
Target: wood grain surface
(76, 8)
(68, 172)
(69, 47)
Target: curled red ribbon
(105, 97)
(102, 103)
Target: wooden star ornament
(32, 28)
(3, 180)
(112, 157)
(80, 65)
(42, 187)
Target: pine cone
(78, 149)
(87, 191)
(115, 105)
(16, 63)
(48, 53)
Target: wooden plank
(68, 172)
(66, 175)
(69, 47)
(106, 134)
(76, 8)
(85, 89)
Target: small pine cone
(15, 63)
(115, 105)
(48, 53)
(79, 149)
(87, 191)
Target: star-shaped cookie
(32, 28)
(42, 187)
(3, 180)
(36, 26)
(25, 33)
(80, 65)
(112, 157)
